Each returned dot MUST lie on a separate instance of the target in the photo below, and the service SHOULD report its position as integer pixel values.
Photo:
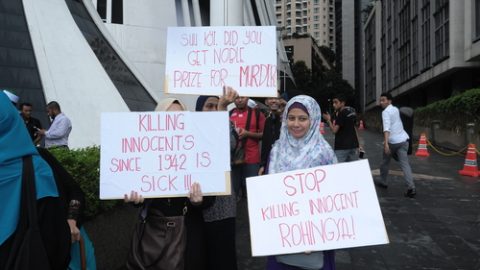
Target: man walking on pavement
(395, 143)
(346, 136)
(57, 134)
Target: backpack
(237, 149)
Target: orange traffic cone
(322, 128)
(422, 150)
(470, 167)
(361, 127)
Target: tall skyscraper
(349, 42)
(316, 17)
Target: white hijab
(289, 153)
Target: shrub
(454, 113)
(84, 166)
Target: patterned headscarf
(289, 153)
(14, 144)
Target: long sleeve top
(57, 134)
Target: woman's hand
(229, 96)
(195, 195)
(75, 232)
(133, 198)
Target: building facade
(304, 48)
(95, 56)
(316, 17)
(349, 43)
(421, 51)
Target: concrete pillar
(197, 17)
(108, 16)
(186, 13)
(226, 12)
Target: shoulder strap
(257, 118)
(249, 119)
(29, 192)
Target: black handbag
(28, 251)
(158, 241)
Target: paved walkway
(439, 229)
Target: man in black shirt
(271, 130)
(346, 138)
(32, 124)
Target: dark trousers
(240, 173)
(221, 246)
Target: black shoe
(410, 193)
(380, 184)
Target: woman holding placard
(301, 146)
(169, 234)
(219, 220)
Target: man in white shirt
(395, 143)
(57, 134)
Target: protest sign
(322, 208)
(201, 60)
(160, 154)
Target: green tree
(303, 77)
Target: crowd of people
(194, 232)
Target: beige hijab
(165, 103)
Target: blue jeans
(240, 173)
(346, 155)
(401, 150)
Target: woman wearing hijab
(15, 143)
(219, 219)
(301, 146)
(191, 207)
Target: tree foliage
(322, 85)
(84, 166)
(454, 112)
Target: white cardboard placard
(160, 154)
(322, 208)
(201, 60)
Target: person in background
(346, 135)
(271, 131)
(15, 143)
(220, 217)
(250, 137)
(395, 144)
(301, 146)
(32, 124)
(57, 134)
